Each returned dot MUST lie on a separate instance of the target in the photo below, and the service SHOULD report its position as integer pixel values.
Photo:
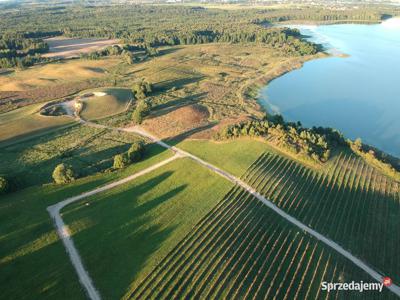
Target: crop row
(243, 250)
(349, 201)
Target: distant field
(61, 47)
(33, 262)
(128, 230)
(54, 73)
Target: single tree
(3, 185)
(136, 151)
(120, 161)
(63, 174)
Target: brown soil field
(183, 120)
(61, 47)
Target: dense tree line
(315, 143)
(20, 49)
(152, 26)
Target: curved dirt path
(64, 234)
(61, 228)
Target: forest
(147, 26)
(20, 49)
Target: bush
(120, 161)
(63, 174)
(3, 185)
(142, 109)
(136, 151)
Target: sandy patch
(70, 47)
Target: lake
(358, 95)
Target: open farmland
(60, 47)
(350, 202)
(33, 262)
(129, 230)
(243, 250)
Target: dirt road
(83, 275)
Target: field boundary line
(181, 153)
(64, 234)
(330, 243)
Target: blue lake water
(359, 94)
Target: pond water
(358, 95)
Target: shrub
(120, 161)
(136, 151)
(63, 174)
(3, 185)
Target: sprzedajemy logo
(360, 286)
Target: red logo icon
(387, 281)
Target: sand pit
(99, 94)
(61, 47)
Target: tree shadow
(359, 210)
(129, 230)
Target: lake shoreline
(269, 108)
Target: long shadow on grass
(127, 232)
(359, 210)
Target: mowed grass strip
(33, 262)
(233, 156)
(243, 250)
(122, 234)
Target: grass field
(349, 202)
(33, 262)
(27, 121)
(243, 250)
(114, 102)
(233, 156)
(125, 232)
(88, 150)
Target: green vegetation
(33, 262)
(243, 250)
(120, 161)
(114, 101)
(314, 143)
(136, 151)
(129, 230)
(27, 122)
(348, 201)
(3, 185)
(87, 150)
(63, 174)
(233, 156)
(20, 50)
(375, 157)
